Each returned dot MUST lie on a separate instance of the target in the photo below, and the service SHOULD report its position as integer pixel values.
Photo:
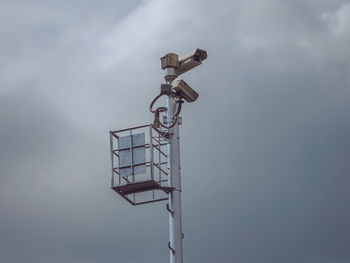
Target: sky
(265, 150)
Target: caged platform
(140, 164)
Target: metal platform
(147, 186)
(139, 187)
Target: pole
(174, 180)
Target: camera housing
(191, 60)
(185, 91)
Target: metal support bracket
(164, 134)
(172, 250)
(169, 210)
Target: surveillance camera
(191, 60)
(180, 86)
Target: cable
(157, 123)
(176, 115)
(155, 99)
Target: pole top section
(170, 60)
(170, 64)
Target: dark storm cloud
(265, 149)
(279, 170)
(31, 130)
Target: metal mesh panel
(132, 154)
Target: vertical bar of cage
(132, 161)
(151, 154)
(112, 157)
(119, 177)
(151, 151)
(159, 160)
(132, 157)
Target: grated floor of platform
(138, 187)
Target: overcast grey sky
(265, 148)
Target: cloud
(265, 148)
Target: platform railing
(141, 172)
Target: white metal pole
(174, 180)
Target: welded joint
(172, 250)
(169, 210)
